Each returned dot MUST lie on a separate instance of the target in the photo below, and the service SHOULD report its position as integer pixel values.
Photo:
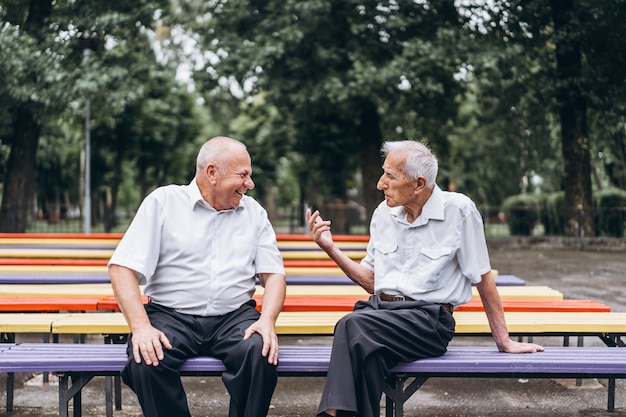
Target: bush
(610, 212)
(551, 214)
(521, 213)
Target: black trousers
(374, 338)
(249, 378)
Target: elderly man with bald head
(199, 249)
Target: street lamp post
(87, 201)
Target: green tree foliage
(546, 68)
(332, 68)
(136, 105)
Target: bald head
(217, 150)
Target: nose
(249, 183)
(380, 185)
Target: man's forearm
(357, 273)
(128, 296)
(273, 295)
(493, 309)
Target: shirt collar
(194, 194)
(195, 197)
(433, 209)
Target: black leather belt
(388, 297)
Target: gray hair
(216, 150)
(419, 159)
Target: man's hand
(519, 347)
(270, 339)
(148, 344)
(319, 229)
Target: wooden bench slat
(323, 323)
(50, 357)
(346, 303)
(42, 304)
(104, 289)
(55, 253)
(103, 278)
(28, 322)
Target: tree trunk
(369, 138)
(573, 118)
(20, 180)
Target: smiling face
(224, 172)
(233, 177)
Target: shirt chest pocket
(386, 249)
(436, 253)
(433, 260)
(431, 264)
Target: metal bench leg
(118, 392)
(78, 403)
(397, 394)
(611, 400)
(10, 388)
(388, 406)
(581, 343)
(108, 393)
(9, 338)
(72, 391)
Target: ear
(420, 184)
(211, 173)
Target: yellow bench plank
(518, 292)
(91, 323)
(309, 244)
(28, 322)
(323, 323)
(105, 289)
(319, 254)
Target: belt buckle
(399, 298)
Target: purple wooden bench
(77, 364)
(103, 278)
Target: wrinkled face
(399, 189)
(233, 179)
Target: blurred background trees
(514, 97)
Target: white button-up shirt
(194, 258)
(434, 259)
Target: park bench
(77, 364)
(104, 289)
(103, 277)
(609, 327)
(346, 303)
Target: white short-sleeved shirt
(434, 259)
(194, 258)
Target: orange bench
(346, 303)
(22, 304)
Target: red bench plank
(346, 303)
(48, 303)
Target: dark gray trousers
(374, 338)
(249, 378)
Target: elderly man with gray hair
(426, 249)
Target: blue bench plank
(100, 278)
(41, 357)
(78, 363)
